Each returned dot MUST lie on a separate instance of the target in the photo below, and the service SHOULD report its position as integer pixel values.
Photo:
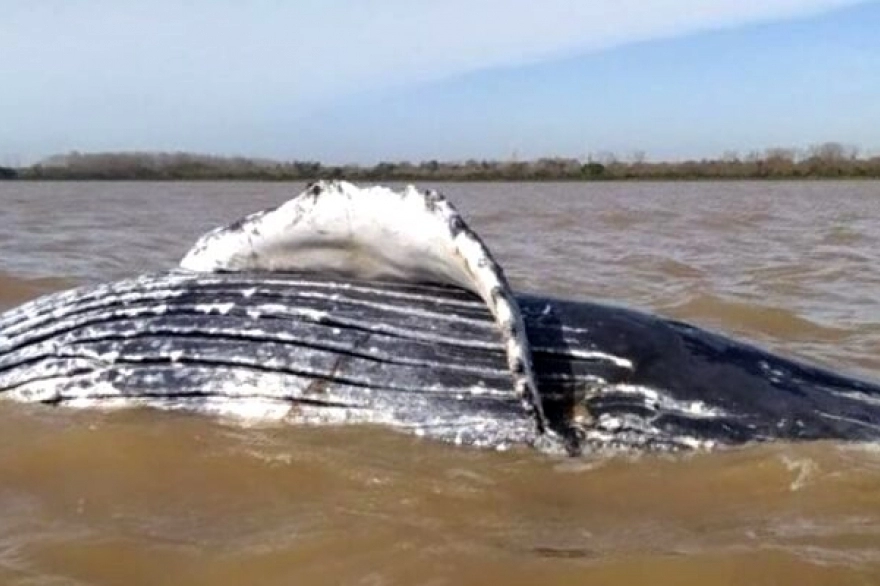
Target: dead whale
(346, 331)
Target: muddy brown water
(141, 497)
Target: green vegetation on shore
(829, 160)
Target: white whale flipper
(376, 233)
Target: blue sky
(369, 80)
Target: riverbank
(829, 161)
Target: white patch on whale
(376, 233)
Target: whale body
(304, 316)
(419, 358)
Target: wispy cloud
(105, 66)
(340, 44)
(400, 40)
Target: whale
(374, 307)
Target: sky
(359, 81)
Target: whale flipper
(376, 233)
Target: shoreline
(245, 179)
(828, 161)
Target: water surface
(140, 497)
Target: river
(141, 497)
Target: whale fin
(376, 233)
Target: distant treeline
(829, 160)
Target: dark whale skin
(421, 358)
